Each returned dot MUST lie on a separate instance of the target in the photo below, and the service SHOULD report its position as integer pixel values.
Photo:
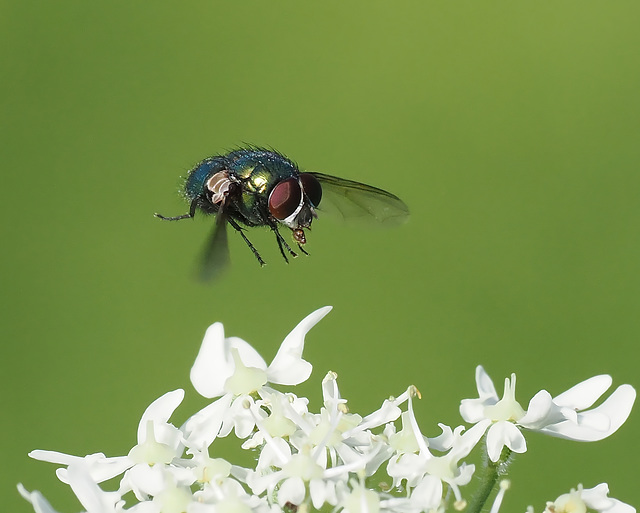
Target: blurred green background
(511, 129)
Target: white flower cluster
(319, 460)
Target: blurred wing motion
(216, 259)
(358, 202)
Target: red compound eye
(285, 198)
(312, 188)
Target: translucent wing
(215, 258)
(359, 202)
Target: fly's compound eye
(312, 188)
(285, 198)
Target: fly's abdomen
(195, 185)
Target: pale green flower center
(302, 465)
(244, 380)
(506, 408)
(277, 425)
(173, 499)
(150, 451)
(404, 441)
(363, 501)
(570, 503)
(213, 468)
(441, 467)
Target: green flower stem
(489, 478)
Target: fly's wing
(360, 203)
(215, 259)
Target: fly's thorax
(257, 180)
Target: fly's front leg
(282, 244)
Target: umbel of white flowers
(311, 460)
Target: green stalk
(489, 478)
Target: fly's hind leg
(190, 215)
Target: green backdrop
(511, 129)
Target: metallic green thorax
(259, 172)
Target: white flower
(37, 500)
(323, 451)
(596, 498)
(158, 442)
(233, 369)
(579, 423)
(87, 491)
(323, 460)
(346, 437)
(426, 472)
(231, 365)
(563, 416)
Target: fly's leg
(239, 229)
(303, 250)
(190, 215)
(282, 244)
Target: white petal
(485, 386)
(89, 493)
(472, 410)
(57, 457)
(37, 500)
(159, 411)
(584, 394)
(427, 496)
(599, 423)
(596, 497)
(99, 466)
(202, 428)
(465, 473)
(288, 367)
(541, 412)
(406, 466)
(388, 412)
(504, 433)
(319, 490)
(214, 363)
(292, 490)
(249, 356)
(144, 480)
(464, 444)
(620, 507)
(244, 422)
(444, 440)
